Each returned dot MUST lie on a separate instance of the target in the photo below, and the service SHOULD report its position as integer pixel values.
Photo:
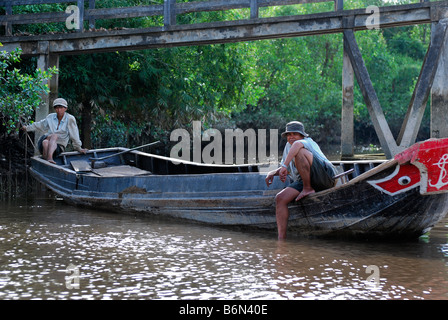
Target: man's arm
(270, 176)
(41, 125)
(295, 148)
(74, 135)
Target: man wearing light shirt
(308, 168)
(59, 128)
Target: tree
(20, 94)
(122, 98)
(88, 82)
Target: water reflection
(54, 251)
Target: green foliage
(42, 27)
(301, 79)
(159, 89)
(112, 133)
(394, 73)
(143, 95)
(293, 79)
(20, 93)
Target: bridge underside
(228, 31)
(431, 81)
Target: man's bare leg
(45, 149)
(282, 199)
(49, 147)
(303, 161)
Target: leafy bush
(20, 93)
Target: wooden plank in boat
(81, 166)
(120, 171)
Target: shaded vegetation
(132, 98)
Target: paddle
(122, 152)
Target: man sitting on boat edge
(59, 127)
(306, 165)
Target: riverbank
(15, 153)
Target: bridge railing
(81, 11)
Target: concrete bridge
(86, 39)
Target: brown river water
(51, 250)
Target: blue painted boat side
(243, 199)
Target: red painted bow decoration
(425, 164)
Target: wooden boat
(403, 197)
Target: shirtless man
(307, 167)
(59, 127)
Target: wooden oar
(119, 153)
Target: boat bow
(423, 165)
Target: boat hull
(370, 213)
(242, 199)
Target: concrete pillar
(46, 61)
(348, 80)
(53, 61)
(439, 97)
(347, 124)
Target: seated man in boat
(58, 127)
(307, 167)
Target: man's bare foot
(304, 193)
(52, 161)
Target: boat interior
(122, 161)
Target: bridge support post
(382, 129)
(53, 61)
(347, 118)
(46, 61)
(426, 80)
(439, 97)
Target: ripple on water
(120, 257)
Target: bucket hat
(60, 102)
(295, 126)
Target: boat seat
(120, 171)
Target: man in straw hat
(307, 167)
(58, 127)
